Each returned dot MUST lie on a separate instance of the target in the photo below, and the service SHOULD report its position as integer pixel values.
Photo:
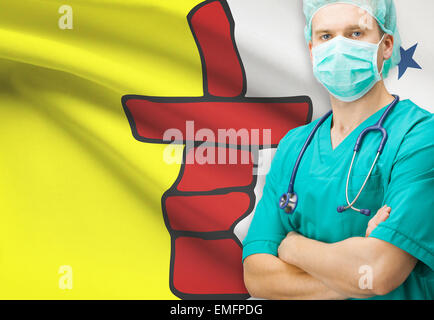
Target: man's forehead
(343, 17)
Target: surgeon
(382, 246)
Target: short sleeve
(266, 230)
(410, 195)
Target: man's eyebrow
(352, 27)
(322, 31)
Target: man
(317, 251)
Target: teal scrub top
(403, 178)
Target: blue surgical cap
(382, 10)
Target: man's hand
(381, 216)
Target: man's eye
(325, 37)
(357, 34)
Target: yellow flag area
(80, 198)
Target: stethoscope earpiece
(341, 209)
(365, 212)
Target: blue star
(407, 60)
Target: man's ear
(388, 46)
(310, 50)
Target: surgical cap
(382, 10)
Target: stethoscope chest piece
(288, 202)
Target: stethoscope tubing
(303, 150)
(291, 194)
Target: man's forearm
(341, 265)
(337, 265)
(268, 277)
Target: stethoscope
(288, 201)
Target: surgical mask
(347, 68)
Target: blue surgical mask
(347, 68)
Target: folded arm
(268, 277)
(341, 265)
